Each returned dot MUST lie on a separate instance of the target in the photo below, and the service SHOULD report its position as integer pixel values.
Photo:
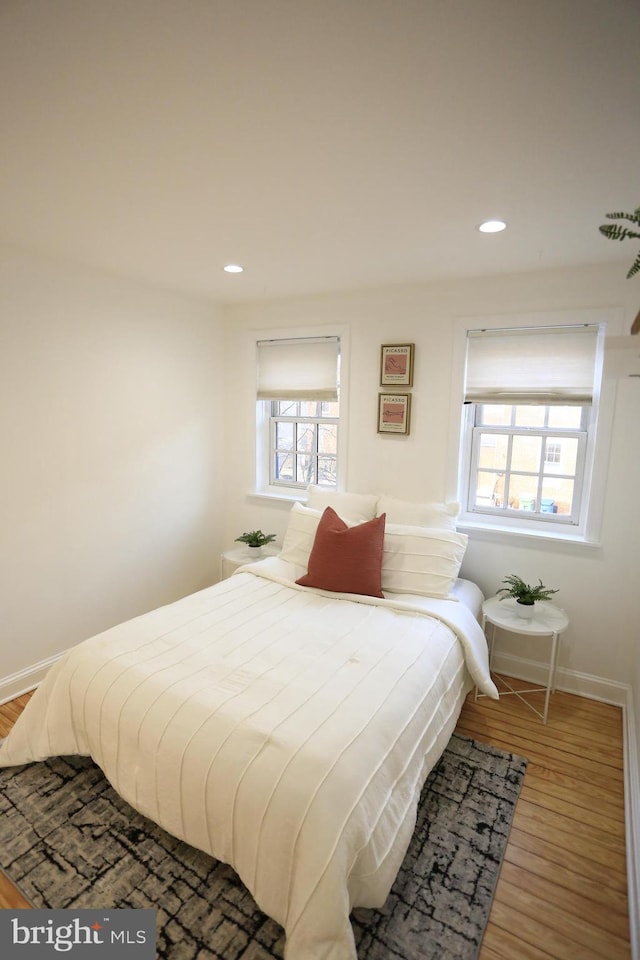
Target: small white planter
(524, 610)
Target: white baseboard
(570, 681)
(621, 695)
(18, 683)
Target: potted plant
(524, 594)
(255, 540)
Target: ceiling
(326, 145)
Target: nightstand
(547, 621)
(236, 557)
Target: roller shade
(554, 365)
(305, 369)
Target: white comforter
(283, 730)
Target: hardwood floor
(562, 892)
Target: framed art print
(396, 364)
(394, 412)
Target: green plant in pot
(524, 594)
(256, 539)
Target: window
(304, 443)
(529, 425)
(299, 407)
(520, 467)
(552, 452)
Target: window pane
(331, 409)
(557, 495)
(310, 408)
(522, 493)
(494, 415)
(562, 456)
(489, 489)
(567, 418)
(306, 437)
(530, 415)
(327, 438)
(284, 436)
(493, 450)
(305, 469)
(526, 454)
(286, 408)
(284, 466)
(327, 471)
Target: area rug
(68, 840)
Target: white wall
(597, 584)
(110, 437)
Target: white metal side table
(548, 621)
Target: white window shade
(547, 365)
(305, 369)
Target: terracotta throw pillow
(346, 559)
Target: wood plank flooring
(562, 892)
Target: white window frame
(599, 428)
(263, 446)
(315, 422)
(548, 434)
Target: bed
(282, 727)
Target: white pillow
(421, 561)
(300, 534)
(350, 506)
(442, 515)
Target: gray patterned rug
(68, 840)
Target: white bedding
(285, 731)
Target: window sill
(497, 532)
(282, 496)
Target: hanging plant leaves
(635, 267)
(615, 231)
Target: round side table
(236, 557)
(548, 621)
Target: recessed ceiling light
(233, 268)
(492, 226)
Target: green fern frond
(635, 267)
(616, 232)
(633, 217)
